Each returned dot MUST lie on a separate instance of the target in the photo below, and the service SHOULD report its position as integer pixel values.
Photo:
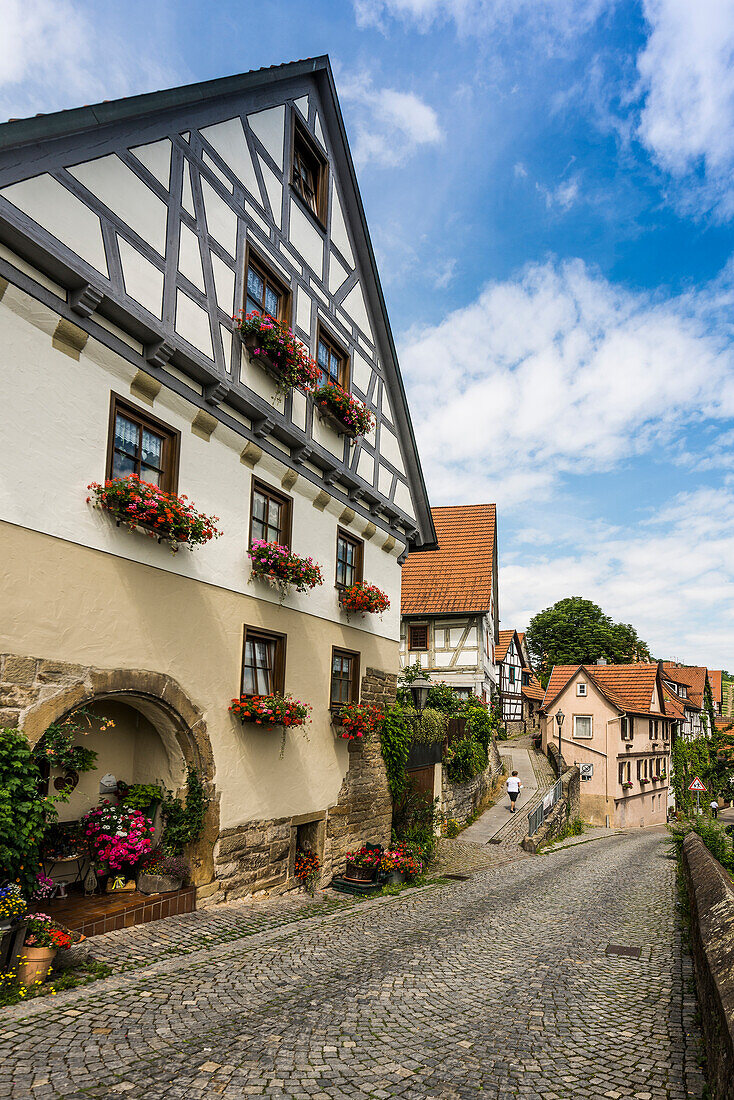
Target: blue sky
(550, 190)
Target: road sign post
(697, 786)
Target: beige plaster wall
(73, 603)
(602, 795)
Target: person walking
(714, 808)
(514, 786)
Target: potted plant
(118, 836)
(12, 922)
(366, 599)
(283, 569)
(271, 711)
(145, 797)
(363, 864)
(45, 887)
(359, 721)
(344, 412)
(43, 938)
(306, 870)
(626, 786)
(139, 504)
(162, 873)
(272, 345)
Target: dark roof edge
(76, 119)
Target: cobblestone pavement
(498, 986)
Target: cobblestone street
(497, 986)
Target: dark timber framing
(43, 144)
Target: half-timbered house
(689, 682)
(131, 233)
(511, 664)
(449, 602)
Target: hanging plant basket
(345, 413)
(273, 346)
(139, 504)
(271, 712)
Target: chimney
(602, 661)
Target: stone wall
(566, 809)
(460, 800)
(259, 856)
(711, 900)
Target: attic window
(309, 172)
(581, 690)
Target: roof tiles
(457, 577)
(628, 687)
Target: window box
(626, 786)
(165, 516)
(272, 345)
(345, 413)
(271, 711)
(283, 569)
(358, 721)
(364, 598)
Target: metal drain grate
(620, 949)
(460, 878)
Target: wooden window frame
(280, 653)
(300, 133)
(413, 648)
(339, 651)
(583, 737)
(171, 437)
(270, 275)
(323, 335)
(282, 498)
(359, 562)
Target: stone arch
(58, 689)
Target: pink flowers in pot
(352, 416)
(118, 835)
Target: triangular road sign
(696, 785)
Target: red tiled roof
(533, 690)
(457, 577)
(505, 639)
(673, 704)
(715, 681)
(692, 676)
(628, 687)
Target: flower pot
(157, 884)
(34, 964)
(263, 359)
(362, 874)
(394, 878)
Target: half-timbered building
(449, 602)
(511, 664)
(131, 233)
(689, 682)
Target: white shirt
(513, 784)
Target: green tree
(24, 812)
(576, 631)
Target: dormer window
(309, 172)
(581, 690)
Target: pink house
(617, 726)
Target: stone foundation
(260, 855)
(460, 800)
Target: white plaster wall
(54, 442)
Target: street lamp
(559, 719)
(419, 690)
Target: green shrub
(479, 724)
(184, 821)
(415, 819)
(395, 745)
(24, 813)
(432, 726)
(714, 836)
(442, 697)
(464, 759)
(140, 796)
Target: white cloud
(673, 579)
(563, 196)
(558, 371)
(55, 55)
(389, 125)
(687, 76)
(476, 17)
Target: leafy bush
(395, 744)
(24, 813)
(140, 796)
(184, 822)
(415, 817)
(464, 759)
(714, 836)
(432, 725)
(479, 723)
(443, 697)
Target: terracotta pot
(35, 964)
